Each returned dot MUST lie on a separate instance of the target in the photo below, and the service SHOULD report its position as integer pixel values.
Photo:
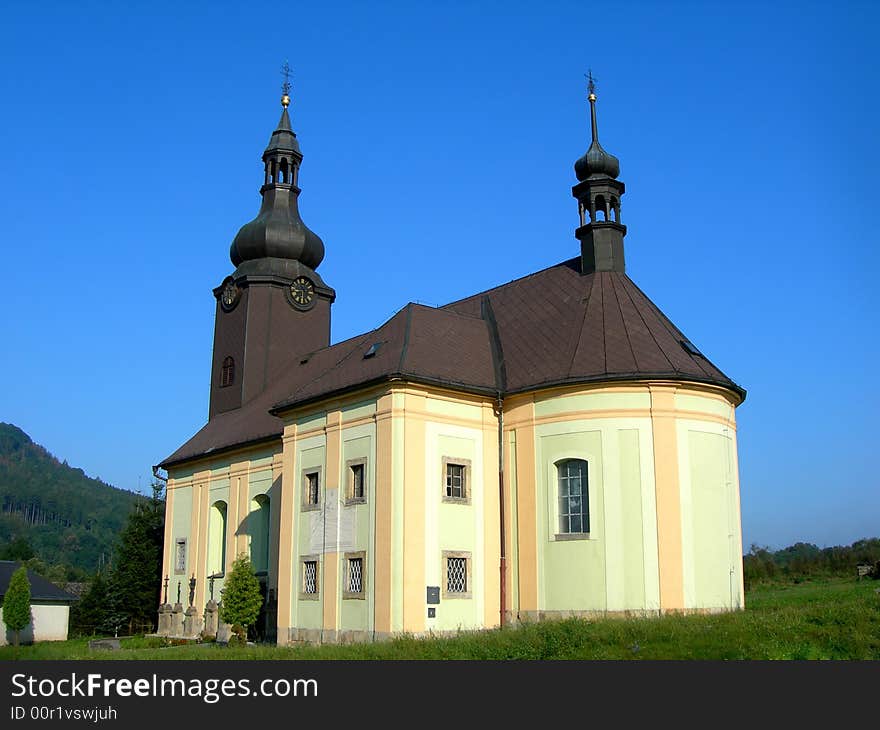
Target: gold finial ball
(285, 101)
(592, 97)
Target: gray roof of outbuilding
(41, 589)
(553, 327)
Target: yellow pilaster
(383, 559)
(167, 552)
(491, 520)
(669, 547)
(414, 613)
(236, 516)
(522, 419)
(286, 524)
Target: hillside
(66, 516)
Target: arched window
(227, 372)
(258, 522)
(574, 496)
(217, 539)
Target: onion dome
(278, 231)
(596, 162)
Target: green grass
(830, 619)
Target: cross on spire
(285, 87)
(591, 84)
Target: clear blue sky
(439, 140)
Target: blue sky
(439, 140)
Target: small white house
(50, 608)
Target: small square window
(310, 582)
(456, 476)
(356, 488)
(355, 575)
(311, 480)
(456, 574)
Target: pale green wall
(553, 405)
(571, 573)
(359, 442)
(455, 531)
(307, 613)
(632, 524)
(181, 521)
(711, 519)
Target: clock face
(229, 296)
(302, 292)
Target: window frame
(346, 592)
(585, 497)
(308, 506)
(227, 372)
(302, 578)
(178, 542)
(469, 576)
(350, 466)
(465, 464)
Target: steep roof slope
(557, 326)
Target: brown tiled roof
(552, 327)
(557, 326)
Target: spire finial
(285, 87)
(591, 88)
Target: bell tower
(598, 193)
(275, 305)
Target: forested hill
(67, 517)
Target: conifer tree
(17, 603)
(241, 597)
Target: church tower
(598, 193)
(275, 305)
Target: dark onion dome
(278, 231)
(596, 162)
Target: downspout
(488, 316)
(499, 412)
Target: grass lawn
(822, 619)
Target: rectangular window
(456, 574)
(456, 474)
(180, 556)
(309, 578)
(355, 575)
(311, 480)
(356, 488)
(574, 498)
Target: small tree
(241, 599)
(17, 602)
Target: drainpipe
(499, 412)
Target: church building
(554, 446)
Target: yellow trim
(286, 531)
(527, 520)
(666, 483)
(383, 558)
(491, 527)
(169, 529)
(414, 615)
